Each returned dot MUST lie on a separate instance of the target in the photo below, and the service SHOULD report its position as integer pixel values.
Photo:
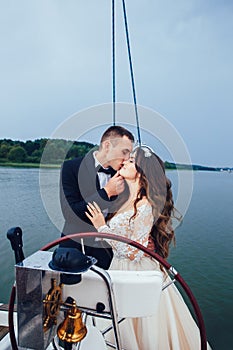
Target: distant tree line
(32, 151)
(54, 151)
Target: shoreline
(168, 166)
(30, 165)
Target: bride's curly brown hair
(156, 187)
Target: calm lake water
(203, 253)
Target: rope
(131, 71)
(113, 65)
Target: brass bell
(72, 329)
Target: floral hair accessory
(147, 151)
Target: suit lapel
(87, 176)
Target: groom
(94, 178)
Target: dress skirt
(173, 328)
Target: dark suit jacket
(79, 184)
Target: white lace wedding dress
(174, 325)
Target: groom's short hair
(116, 131)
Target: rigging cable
(131, 71)
(113, 65)
(130, 65)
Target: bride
(145, 217)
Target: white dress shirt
(103, 178)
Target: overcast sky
(56, 60)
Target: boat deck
(5, 343)
(3, 331)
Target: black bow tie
(108, 171)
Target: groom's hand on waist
(115, 185)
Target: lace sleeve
(107, 229)
(141, 229)
(136, 229)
